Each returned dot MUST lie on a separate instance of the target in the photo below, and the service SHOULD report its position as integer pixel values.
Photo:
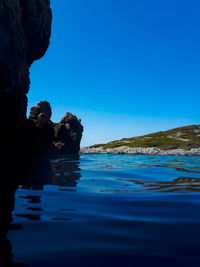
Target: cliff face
(25, 29)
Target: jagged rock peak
(67, 133)
(42, 107)
(69, 117)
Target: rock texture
(68, 134)
(57, 139)
(42, 107)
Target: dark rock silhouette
(56, 138)
(42, 107)
(25, 29)
(68, 134)
(41, 128)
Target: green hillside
(183, 137)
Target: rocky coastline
(28, 142)
(140, 151)
(25, 31)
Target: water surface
(110, 210)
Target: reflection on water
(42, 172)
(181, 184)
(103, 210)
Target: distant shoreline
(140, 151)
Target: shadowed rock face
(42, 107)
(61, 138)
(41, 128)
(68, 134)
(25, 29)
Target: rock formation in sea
(68, 134)
(41, 128)
(25, 30)
(56, 139)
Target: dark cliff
(25, 30)
(27, 143)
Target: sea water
(110, 210)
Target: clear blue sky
(125, 67)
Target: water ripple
(123, 207)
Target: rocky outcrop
(41, 128)
(42, 107)
(57, 139)
(25, 28)
(68, 134)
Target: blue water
(110, 210)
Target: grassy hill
(183, 137)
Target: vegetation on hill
(183, 138)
